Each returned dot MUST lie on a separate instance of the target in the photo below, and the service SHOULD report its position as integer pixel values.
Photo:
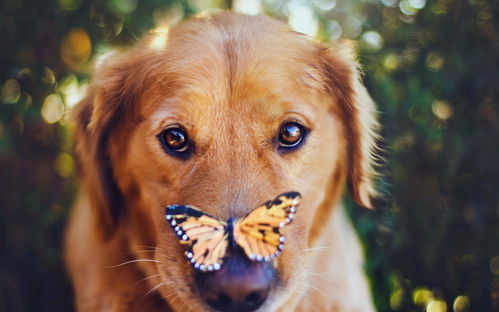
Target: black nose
(240, 285)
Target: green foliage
(435, 80)
(430, 66)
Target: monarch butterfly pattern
(259, 233)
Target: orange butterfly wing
(259, 233)
(206, 235)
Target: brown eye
(291, 135)
(174, 140)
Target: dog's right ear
(358, 112)
(109, 99)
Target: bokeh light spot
(408, 19)
(389, 3)
(442, 110)
(391, 62)
(397, 298)
(19, 124)
(70, 5)
(352, 27)
(461, 304)
(28, 99)
(204, 6)
(334, 29)
(25, 74)
(434, 61)
(325, 5)
(251, 7)
(421, 296)
(53, 108)
(124, 6)
(11, 91)
(64, 165)
(439, 7)
(76, 47)
(71, 90)
(373, 40)
(406, 8)
(436, 306)
(48, 76)
(302, 19)
(494, 265)
(166, 17)
(417, 4)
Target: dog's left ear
(111, 97)
(357, 111)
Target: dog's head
(224, 113)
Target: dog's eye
(174, 140)
(291, 135)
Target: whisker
(149, 277)
(144, 250)
(317, 248)
(174, 298)
(144, 246)
(184, 305)
(316, 289)
(309, 273)
(308, 298)
(156, 287)
(320, 275)
(167, 297)
(157, 250)
(131, 261)
(323, 248)
(136, 252)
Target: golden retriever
(222, 112)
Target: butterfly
(258, 233)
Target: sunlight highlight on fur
(159, 39)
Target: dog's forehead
(215, 68)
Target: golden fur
(230, 80)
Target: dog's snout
(241, 285)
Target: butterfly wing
(259, 233)
(206, 235)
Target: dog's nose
(240, 285)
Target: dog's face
(224, 113)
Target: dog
(222, 112)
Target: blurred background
(432, 66)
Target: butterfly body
(259, 233)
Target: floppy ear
(109, 98)
(357, 111)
